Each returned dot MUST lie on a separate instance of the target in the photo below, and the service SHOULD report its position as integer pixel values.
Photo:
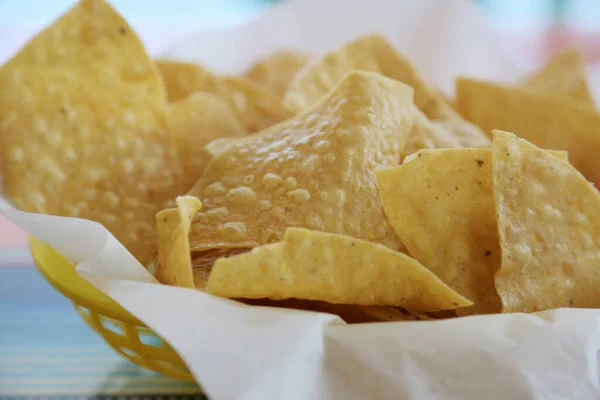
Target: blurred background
(531, 30)
(45, 348)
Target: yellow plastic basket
(121, 330)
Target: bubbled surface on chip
(314, 171)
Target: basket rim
(61, 274)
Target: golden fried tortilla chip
(374, 53)
(441, 204)
(275, 71)
(94, 39)
(195, 122)
(428, 135)
(546, 121)
(255, 106)
(182, 79)
(203, 262)
(337, 269)
(83, 126)
(174, 266)
(314, 171)
(549, 226)
(74, 147)
(563, 74)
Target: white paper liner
(242, 352)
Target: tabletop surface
(48, 352)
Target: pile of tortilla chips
(343, 183)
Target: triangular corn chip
(374, 53)
(181, 79)
(428, 135)
(94, 39)
(547, 121)
(174, 264)
(337, 269)
(275, 71)
(203, 262)
(563, 74)
(315, 170)
(196, 121)
(89, 151)
(83, 128)
(441, 204)
(255, 106)
(549, 226)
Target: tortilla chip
(195, 122)
(256, 108)
(337, 269)
(313, 171)
(549, 226)
(174, 266)
(275, 71)
(546, 121)
(563, 74)
(428, 135)
(374, 53)
(75, 147)
(183, 79)
(93, 38)
(203, 262)
(83, 125)
(441, 205)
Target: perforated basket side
(138, 344)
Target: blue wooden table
(48, 352)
